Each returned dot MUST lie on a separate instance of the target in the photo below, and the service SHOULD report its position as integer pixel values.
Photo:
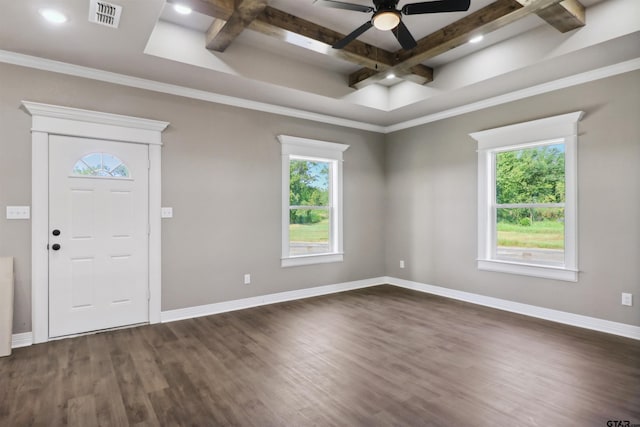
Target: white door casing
(49, 120)
(98, 235)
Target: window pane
(120, 171)
(101, 165)
(308, 183)
(309, 231)
(532, 175)
(110, 162)
(531, 235)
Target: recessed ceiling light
(182, 9)
(53, 16)
(391, 76)
(476, 39)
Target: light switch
(18, 212)
(166, 212)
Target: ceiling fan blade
(354, 34)
(342, 5)
(436, 7)
(404, 37)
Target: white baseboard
(593, 323)
(24, 339)
(239, 304)
(601, 325)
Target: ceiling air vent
(104, 13)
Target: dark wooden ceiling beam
(291, 29)
(424, 74)
(219, 37)
(214, 29)
(294, 30)
(565, 16)
(483, 21)
(419, 74)
(301, 32)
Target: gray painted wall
(431, 177)
(221, 174)
(410, 195)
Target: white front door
(98, 234)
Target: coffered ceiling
(278, 52)
(232, 17)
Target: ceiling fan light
(386, 20)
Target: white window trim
(293, 146)
(56, 120)
(558, 129)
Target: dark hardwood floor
(377, 356)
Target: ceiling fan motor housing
(385, 5)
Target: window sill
(311, 259)
(542, 271)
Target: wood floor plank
(110, 409)
(136, 402)
(82, 411)
(380, 356)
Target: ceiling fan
(387, 17)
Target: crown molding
(155, 86)
(565, 82)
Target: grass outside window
(541, 234)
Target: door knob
(56, 232)
(55, 247)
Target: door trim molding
(57, 120)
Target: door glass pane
(309, 183)
(531, 235)
(309, 231)
(532, 175)
(101, 165)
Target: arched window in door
(101, 165)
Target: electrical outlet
(166, 213)
(401, 263)
(247, 279)
(18, 212)
(627, 299)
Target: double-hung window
(311, 201)
(527, 191)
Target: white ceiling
(153, 43)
